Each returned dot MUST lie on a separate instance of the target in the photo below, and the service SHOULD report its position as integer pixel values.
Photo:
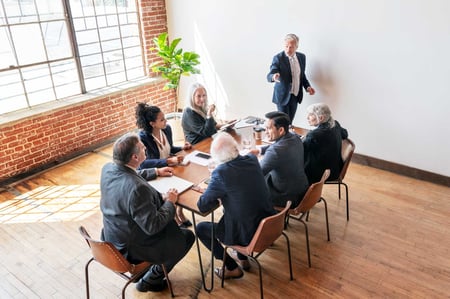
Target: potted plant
(174, 62)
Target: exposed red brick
(50, 137)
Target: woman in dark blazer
(156, 135)
(322, 146)
(198, 121)
(238, 184)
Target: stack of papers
(164, 183)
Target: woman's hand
(211, 110)
(174, 160)
(165, 171)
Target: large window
(52, 49)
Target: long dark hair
(144, 115)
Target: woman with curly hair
(156, 135)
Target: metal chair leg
(326, 217)
(223, 265)
(86, 276)
(339, 189)
(125, 287)
(307, 241)
(346, 200)
(169, 283)
(289, 255)
(260, 277)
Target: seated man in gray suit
(282, 164)
(137, 219)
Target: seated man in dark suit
(238, 184)
(282, 164)
(137, 219)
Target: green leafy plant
(175, 63)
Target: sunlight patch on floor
(52, 204)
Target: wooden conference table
(196, 174)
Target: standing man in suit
(238, 184)
(137, 219)
(282, 163)
(288, 72)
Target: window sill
(15, 116)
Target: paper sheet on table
(164, 183)
(198, 157)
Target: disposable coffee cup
(257, 133)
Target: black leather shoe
(144, 286)
(186, 224)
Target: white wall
(382, 66)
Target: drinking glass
(211, 166)
(246, 143)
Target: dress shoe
(245, 264)
(144, 286)
(229, 274)
(185, 224)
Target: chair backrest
(312, 195)
(268, 231)
(107, 254)
(348, 148)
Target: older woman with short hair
(322, 145)
(198, 121)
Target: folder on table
(164, 183)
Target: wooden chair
(348, 148)
(312, 196)
(268, 231)
(106, 254)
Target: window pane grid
(106, 38)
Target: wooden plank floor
(396, 244)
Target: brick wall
(37, 142)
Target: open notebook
(164, 183)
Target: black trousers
(291, 107)
(155, 274)
(204, 234)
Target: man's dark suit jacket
(281, 90)
(240, 186)
(135, 218)
(153, 158)
(284, 169)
